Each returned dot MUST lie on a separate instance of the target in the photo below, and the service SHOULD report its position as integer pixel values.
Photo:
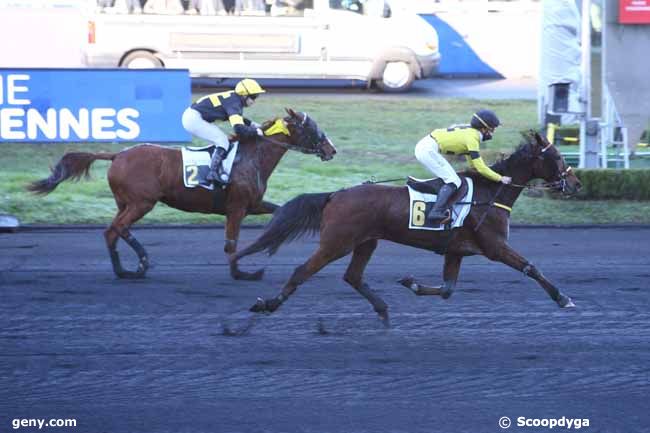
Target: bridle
(558, 185)
(316, 149)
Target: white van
(301, 39)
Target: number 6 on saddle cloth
(422, 197)
(196, 165)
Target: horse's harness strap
(486, 203)
(503, 206)
(492, 202)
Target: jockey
(457, 140)
(229, 105)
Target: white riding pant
(427, 152)
(195, 125)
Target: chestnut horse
(352, 220)
(143, 175)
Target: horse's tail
(72, 166)
(295, 218)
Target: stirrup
(212, 176)
(439, 220)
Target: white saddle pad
(421, 203)
(196, 165)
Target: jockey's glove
(249, 122)
(245, 131)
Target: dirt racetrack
(159, 355)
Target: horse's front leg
(233, 226)
(449, 275)
(510, 257)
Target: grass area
(374, 134)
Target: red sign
(634, 11)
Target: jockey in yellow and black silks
(199, 117)
(457, 140)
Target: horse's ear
(290, 112)
(539, 139)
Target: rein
(285, 145)
(373, 181)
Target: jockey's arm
(475, 160)
(240, 128)
(236, 119)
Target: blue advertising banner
(93, 105)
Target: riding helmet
(485, 119)
(248, 87)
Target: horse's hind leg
(316, 262)
(111, 235)
(449, 275)
(354, 277)
(119, 228)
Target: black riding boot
(440, 212)
(215, 164)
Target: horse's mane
(522, 154)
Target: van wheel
(397, 77)
(141, 60)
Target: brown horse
(352, 220)
(143, 175)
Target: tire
(141, 60)
(396, 77)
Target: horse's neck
(510, 194)
(268, 155)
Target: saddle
(196, 165)
(432, 186)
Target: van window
(348, 5)
(292, 8)
(376, 8)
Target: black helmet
(485, 119)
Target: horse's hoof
(273, 304)
(128, 275)
(565, 302)
(248, 276)
(257, 275)
(383, 316)
(259, 306)
(409, 283)
(445, 294)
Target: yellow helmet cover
(247, 87)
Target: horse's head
(548, 164)
(307, 137)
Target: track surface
(155, 355)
